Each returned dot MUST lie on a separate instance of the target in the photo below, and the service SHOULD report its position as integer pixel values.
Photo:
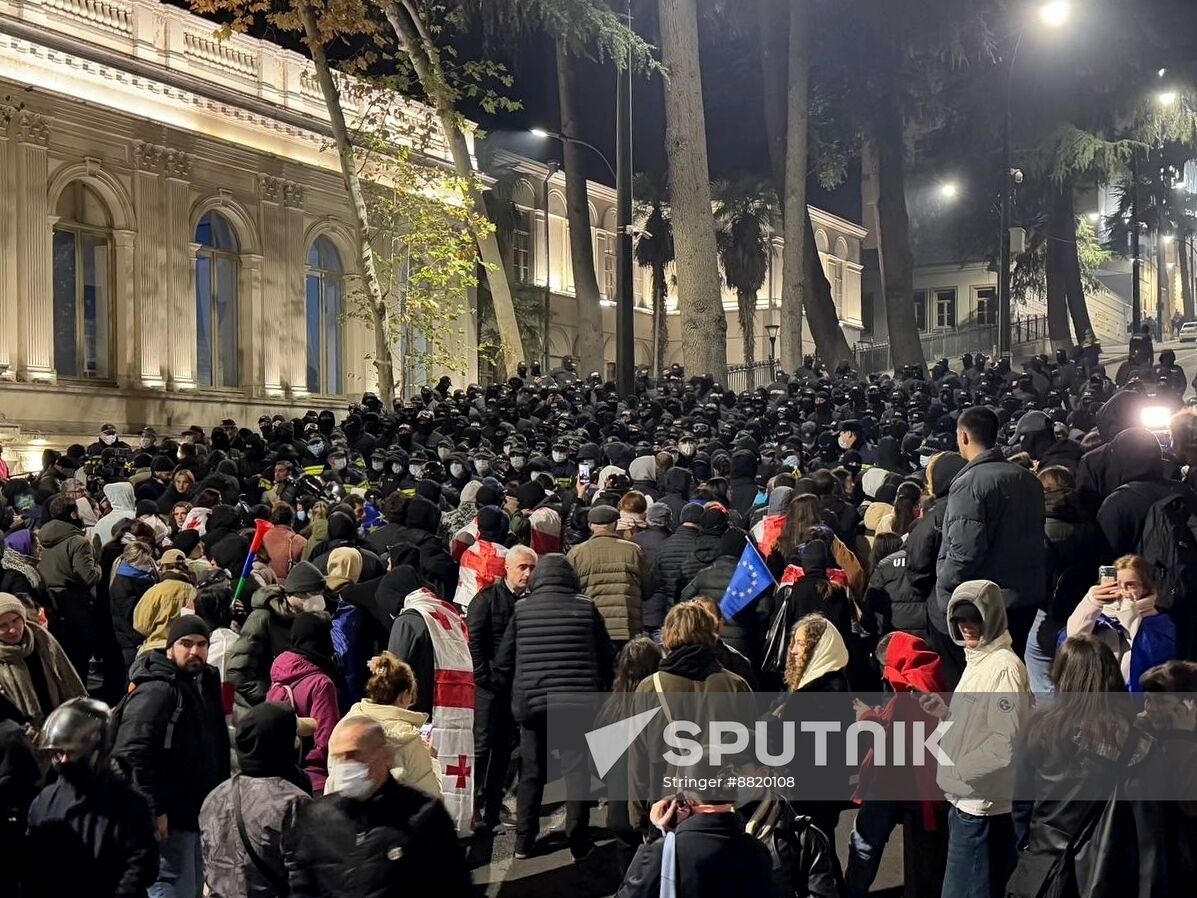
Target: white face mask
(108, 438)
(791, 461)
(146, 442)
(558, 457)
(415, 470)
(396, 468)
(377, 465)
(845, 441)
(443, 452)
(685, 448)
(338, 464)
(517, 461)
(307, 603)
(482, 466)
(355, 780)
(456, 470)
(316, 448)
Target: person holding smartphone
(1121, 611)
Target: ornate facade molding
(177, 164)
(148, 156)
(32, 128)
(293, 195)
(270, 188)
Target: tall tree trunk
(1074, 285)
(795, 253)
(1186, 277)
(577, 204)
(660, 320)
(704, 325)
(1057, 288)
(774, 22)
(830, 342)
(893, 234)
(421, 50)
(357, 202)
(746, 302)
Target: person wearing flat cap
(171, 735)
(614, 573)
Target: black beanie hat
(186, 541)
(733, 542)
(691, 513)
(186, 625)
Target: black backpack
(1169, 544)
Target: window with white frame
(945, 309)
(325, 296)
(217, 268)
(82, 284)
(609, 247)
(987, 305)
(521, 242)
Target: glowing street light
(949, 190)
(540, 132)
(1055, 14)
(1166, 98)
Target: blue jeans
(1039, 664)
(875, 822)
(980, 855)
(180, 867)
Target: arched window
(216, 270)
(325, 304)
(82, 284)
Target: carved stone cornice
(177, 164)
(148, 156)
(270, 188)
(293, 195)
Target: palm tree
(746, 217)
(654, 250)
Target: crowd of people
(315, 657)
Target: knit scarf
(452, 702)
(15, 682)
(13, 560)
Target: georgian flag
(766, 531)
(481, 565)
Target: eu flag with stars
(751, 579)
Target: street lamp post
(621, 174)
(771, 330)
(1052, 14)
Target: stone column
(151, 301)
(125, 362)
(179, 296)
(271, 316)
(8, 257)
(249, 313)
(292, 335)
(34, 251)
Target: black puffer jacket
(1075, 547)
(556, 642)
(992, 530)
(891, 600)
(123, 595)
(669, 578)
(173, 736)
(398, 842)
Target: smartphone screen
(584, 472)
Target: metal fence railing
(952, 344)
(741, 378)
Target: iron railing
(952, 344)
(745, 378)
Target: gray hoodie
(124, 507)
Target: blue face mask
(301, 515)
(791, 461)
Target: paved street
(1186, 357)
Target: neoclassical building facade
(175, 246)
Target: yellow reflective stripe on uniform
(313, 470)
(409, 493)
(265, 484)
